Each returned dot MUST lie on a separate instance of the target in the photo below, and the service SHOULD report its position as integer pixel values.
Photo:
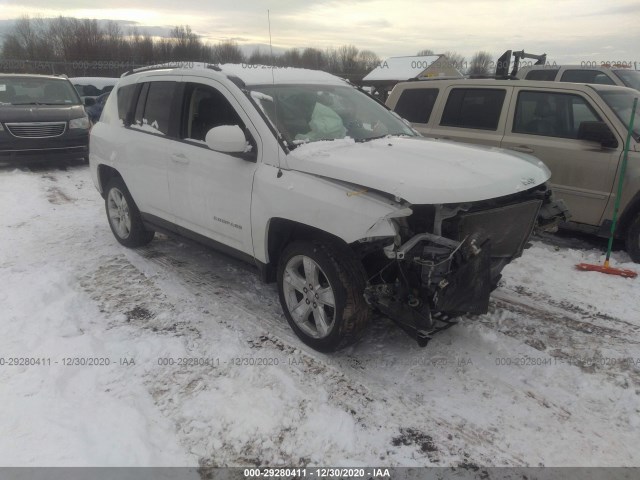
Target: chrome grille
(36, 129)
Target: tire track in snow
(594, 342)
(213, 279)
(132, 298)
(213, 275)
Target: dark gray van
(41, 119)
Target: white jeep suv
(324, 189)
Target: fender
(356, 212)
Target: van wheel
(632, 242)
(321, 291)
(124, 217)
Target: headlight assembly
(82, 122)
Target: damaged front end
(446, 259)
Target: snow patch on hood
(421, 170)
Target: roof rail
(168, 66)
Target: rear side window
(473, 108)
(153, 110)
(416, 104)
(125, 103)
(542, 75)
(552, 114)
(586, 76)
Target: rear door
(544, 123)
(150, 132)
(472, 114)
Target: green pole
(623, 169)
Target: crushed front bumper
(440, 277)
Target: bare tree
(29, 38)
(186, 44)
(425, 52)
(258, 57)
(313, 58)
(348, 56)
(456, 60)
(228, 52)
(333, 60)
(367, 60)
(85, 47)
(480, 63)
(290, 58)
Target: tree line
(85, 47)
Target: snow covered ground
(550, 376)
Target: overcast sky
(569, 31)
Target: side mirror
(226, 139)
(597, 132)
(88, 101)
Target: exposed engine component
(446, 259)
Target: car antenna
(275, 97)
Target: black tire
(632, 239)
(344, 275)
(136, 235)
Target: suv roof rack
(166, 66)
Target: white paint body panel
(422, 171)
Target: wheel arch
(281, 232)
(105, 174)
(630, 212)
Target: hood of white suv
(420, 170)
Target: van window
(153, 111)
(586, 76)
(125, 103)
(416, 104)
(552, 114)
(543, 74)
(473, 108)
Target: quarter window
(416, 104)
(125, 103)
(552, 114)
(153, 110)
(473, 108)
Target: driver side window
(551, 114)
(205, 108)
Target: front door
(211, 191)
(545, 123)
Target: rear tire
(124, 217)
(632, 240)
(321, 290)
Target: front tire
(632, 240)
(124, 217)
(321, 290)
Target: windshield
(91, 90)
(622, 103)
(37, 91)
(308, 113)
(631, 78)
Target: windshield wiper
(368, 139)
(28, 103)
